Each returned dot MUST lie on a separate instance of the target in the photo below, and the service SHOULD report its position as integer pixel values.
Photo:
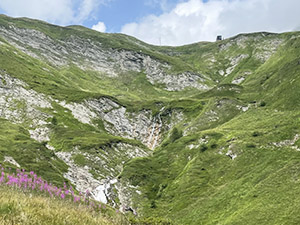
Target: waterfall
(151, 134)
(158, 131)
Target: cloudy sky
(166, 22)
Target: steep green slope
(232, 167)
(15, 141)
(193, 181)
(206, 133)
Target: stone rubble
(141, 125)
(11, 160)
(20, 105)
(83, 180)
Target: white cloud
(85, 9)
(165, 5)
(61, 12)
(100, 26)
(193, 20)
(55, 11)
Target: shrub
(262, 104)
(176, 134)
(214, 145)
(203, 147)
(250, 145)
(153, 204)
(54, 121)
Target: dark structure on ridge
(219, 38)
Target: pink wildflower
(62, 195)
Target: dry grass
(29, 209)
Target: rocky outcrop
(142, 125)
(286, 143)
(40, 134)
(234, 61)
(80, 111)
(11, 160)
(88, 54)
(118, 121)
(100, 188)
(19, 104)
(79, 176)
(241, 77)
(126, 191)
(178, 82)
(240, 41)
(266, 48)
(230, 154)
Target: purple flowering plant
(30, 182)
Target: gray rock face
(80, 111)
(238, 80)
(140, 125)
(178, 82)
(287, 142)
(91, 55)
(126, 191)
(34, 43)
(20, 105)
(233, 63)
(11, 160)
(240, 41)
(81, 177)
(265, 49)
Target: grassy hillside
(232, 167)
(192, 181)
(227, 154)
(24, 208)
(31, 155)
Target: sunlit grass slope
(17, 207)
(231, 166)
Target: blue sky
(167, 22)
(114, 13)
(119, 12)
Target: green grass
(204, 186)
(192, 186)
(15, 142)
(17, 207)
(188, 179)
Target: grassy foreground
(17, 207)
